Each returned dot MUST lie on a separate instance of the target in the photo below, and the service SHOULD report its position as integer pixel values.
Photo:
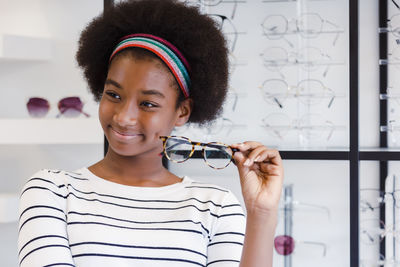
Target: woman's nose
(126, 115)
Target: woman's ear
(184, 111)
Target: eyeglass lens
(38, 107)
(284, 244)
(69, 107)
(179, 149)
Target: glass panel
(288, 59)
(316, 198)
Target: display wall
(315, 209)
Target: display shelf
(25, 48)
(51, 131)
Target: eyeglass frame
(295, 241)
(205, 3)
(381, 200)
(235, 31)
(331, 94)
(303, 33)
(293, 58)
(295, 124)
(49, 106)
(202, 145)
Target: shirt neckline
(142, 189)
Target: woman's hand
(261, 177)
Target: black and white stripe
(79, 219)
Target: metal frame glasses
(215, 154)
(308, 25)
(308, 91)
(311, 126)
(228, 28)
(309, 58)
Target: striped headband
(166, 51)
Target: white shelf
(51, 131)
(25, 48)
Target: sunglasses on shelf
(179, 149)
(69, 107)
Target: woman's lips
(124, 135)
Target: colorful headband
(166, 51)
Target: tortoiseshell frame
(203, 146)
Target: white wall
(60, 22)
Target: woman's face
(138, 105)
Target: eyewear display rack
(354, 154)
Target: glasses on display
(371, 199)
(228, 28)
(222, 126)
(234, 95)
(308, 58)
(391, 94)
(308, 25)
(214, 3)
(393, 58)
(374, 230)
(285, 245)
(311, 126)
(393, 128)
(69, 107)
(379, 262)
(293, 205)
(308, 92)
(179, 149)
(396, 4)
(393, 26)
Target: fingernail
(257, 159)
(247, 162)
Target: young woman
(152, 65)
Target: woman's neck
(145, 171)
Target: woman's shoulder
(212, 191)
(57, 177)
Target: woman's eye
(113, 95)
(148, 104)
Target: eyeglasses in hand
(179, 149)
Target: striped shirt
(79, 219)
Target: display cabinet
(38, 40)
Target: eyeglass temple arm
(326, 209)
(234, 9)
(394, 2)
(81, 111)
(323, 245)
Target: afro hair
(196, 35)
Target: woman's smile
(124, 136)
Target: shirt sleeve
(42, 232)
(225, 246)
